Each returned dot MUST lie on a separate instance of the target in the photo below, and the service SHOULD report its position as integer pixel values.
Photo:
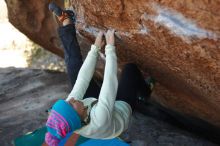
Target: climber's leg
(72, 53)
(131, 83)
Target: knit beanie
(62, 120)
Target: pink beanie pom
(51, 140)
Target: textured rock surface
(26, 94)
(176, 41)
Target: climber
(91, 111)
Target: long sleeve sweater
(108, 118)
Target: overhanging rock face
(178, 42)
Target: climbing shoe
(60, 13)
(144, 93)
(150, 82)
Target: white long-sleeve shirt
(108, 118)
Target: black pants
(73, 58)
(131, 83)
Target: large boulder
(177, 42)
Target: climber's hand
(99, 41)
(110, 37)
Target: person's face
(79, 107)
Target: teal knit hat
(63, 119)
